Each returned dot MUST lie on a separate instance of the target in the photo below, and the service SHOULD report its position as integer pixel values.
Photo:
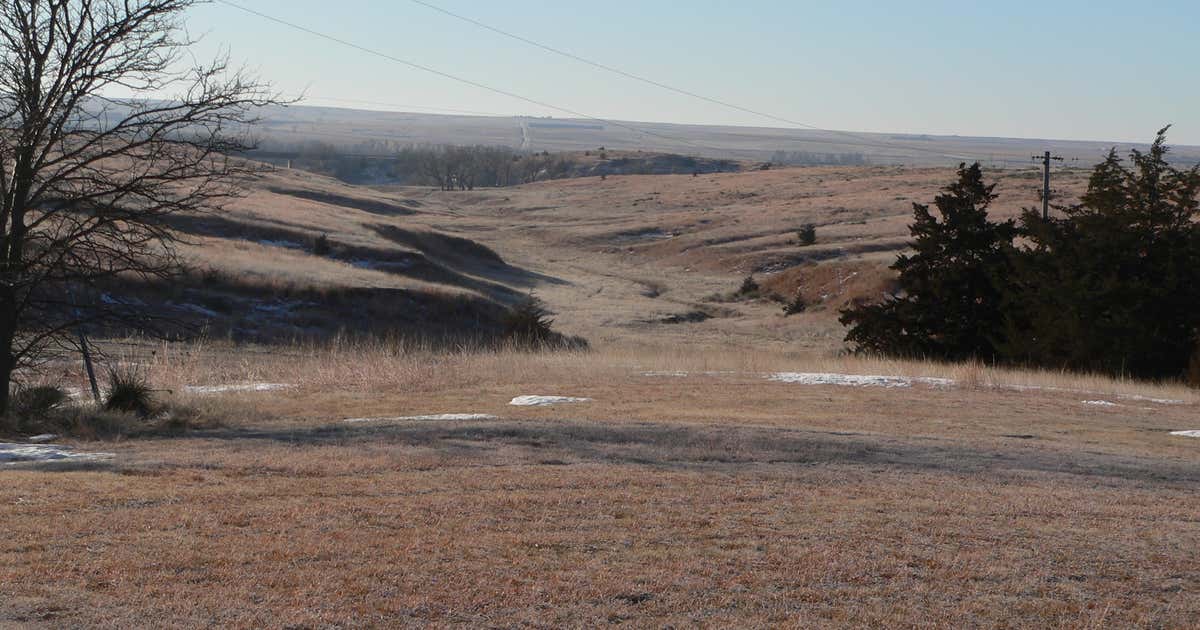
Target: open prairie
(623, 259)
(721, 465)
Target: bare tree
(87, 179)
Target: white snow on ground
(440, 416)
(857, 380)
(42, 439)
(18, 453)
(867, 380)
(245, 387)
(538, 401)
(1161, 401)
(1033, 388)
(1192, 434)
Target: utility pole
(1046, 181)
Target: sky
(1097, 70)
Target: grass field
(715, 498)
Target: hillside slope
(628, 259)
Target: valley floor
(703, 488)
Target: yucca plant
(129, 391)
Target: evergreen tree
(1112, 285)
(950, 287)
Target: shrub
(33, 409)
(528, 323)
(795, 305)
(37, 401)
(807, 234)
(749, 287)
(129, 391)
(322, 246)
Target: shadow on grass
(730, 448)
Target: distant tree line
(465, 167)
(806, 158)
(459, 167)
(1110, 284)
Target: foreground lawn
(678, 500)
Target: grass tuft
(129, 391)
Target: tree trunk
(6, 369)
(5, 383)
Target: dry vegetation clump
(807, 235)
(130, 406)
(528, 326)
(85, 421)
(129, 391)
(796, 305)
(833, 285)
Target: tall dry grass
(358, 365)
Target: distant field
(382, 129)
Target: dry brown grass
(715, 499)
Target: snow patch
(666, 373)
(439, 416)
(1100, 403)
(19, 453)
(539, 401)
(42, 439)
(1191, 434)
(1160, 401)
(857, 380)
(245, 387)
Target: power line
(659, 84)
(452, 77)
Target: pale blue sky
(1100, 70)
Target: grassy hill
(622, 258)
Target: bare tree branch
(88, 181)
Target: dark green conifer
(950, 287)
